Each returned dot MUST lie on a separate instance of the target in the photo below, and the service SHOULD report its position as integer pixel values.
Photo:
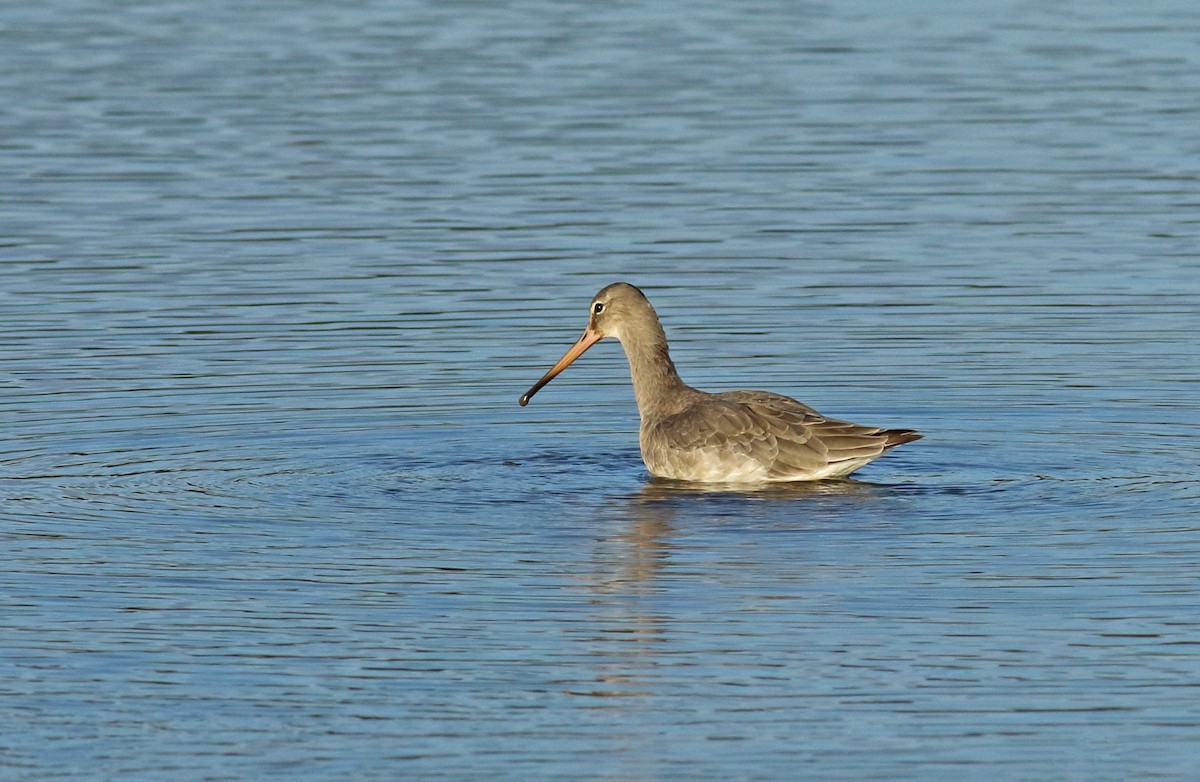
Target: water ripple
(268, 500)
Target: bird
(731, 437)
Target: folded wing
(764, 435)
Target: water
(272, 277)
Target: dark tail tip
(899, 437)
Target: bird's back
(757, 436)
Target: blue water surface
(273, 275)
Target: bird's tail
(899, 437)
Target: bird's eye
(598, 307)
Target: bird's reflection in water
(659, 490)
(638, 563)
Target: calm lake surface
(273, 275)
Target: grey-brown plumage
(737, 436)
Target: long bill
(588, 339)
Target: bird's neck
(655, 379)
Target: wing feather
(759, 435)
